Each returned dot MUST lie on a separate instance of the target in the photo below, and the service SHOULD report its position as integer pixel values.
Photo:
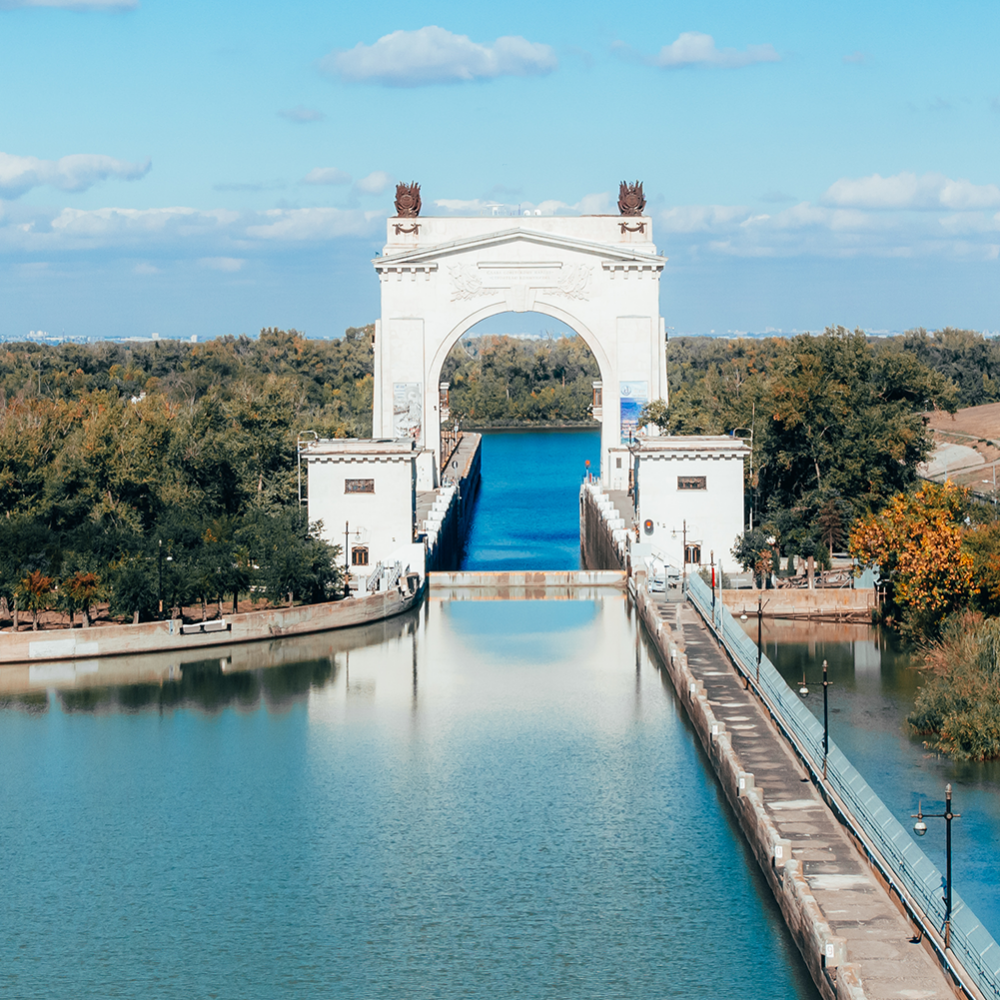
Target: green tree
(132, 588)
(35, 592)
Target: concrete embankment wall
(171, 636)
(451, 521)
(602, 531)
(820, 948)
(835, 604)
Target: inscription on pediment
(490, 277)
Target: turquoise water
(874, 686)
(528, 511)
(492, 799)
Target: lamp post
(804, 691)
(760, 648)
(920, 828)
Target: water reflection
(277, 670)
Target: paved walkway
(853, 901)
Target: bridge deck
(852, 899)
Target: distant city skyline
(206, 170)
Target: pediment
(426, 255)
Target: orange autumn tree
(916, 541)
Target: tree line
(165, 472)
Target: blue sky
(192, 168)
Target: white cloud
(70, 173)
(298, 224)
(128, 226)
(145, 268)
(908, 191)
(326, 175)
(856, 59)
(810, 230)
(377, 182)
(228, 264)
(302, 115)
(111, 5)
(701, 218)
(589, 204)
(693, 48)
(434, 55)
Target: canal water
(528, 510)
(480, 798)
(875, 681)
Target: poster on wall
(633, 396)
(407, 410)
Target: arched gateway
(599, 274)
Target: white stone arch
(440, 276)
(498, 309)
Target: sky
(215, 168)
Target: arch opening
(519, 370)
(526, 382)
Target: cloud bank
(434, 55)
(909, 191)
(19, 174)
(693, 48)
(898, 216)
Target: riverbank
(175, 637)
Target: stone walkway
(854, 903)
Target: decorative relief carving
(631, 200)
(408, 200)
(469, 282)
(466, 283)
(410, 230)
(639, 227)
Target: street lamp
(804, 691)
(920, 828)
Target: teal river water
(481, 798)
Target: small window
(618, 463)
(359, 485)
(692, 554)
(691, 483)
(359, 555)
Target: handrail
(905, 867)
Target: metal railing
(908, 871)
(384, 577)
(373, 579)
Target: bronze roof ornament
(408, 200)
(631, 200)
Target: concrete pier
(444, 516)
(854, 939)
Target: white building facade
(364, 492)
(688, 493)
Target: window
(359, 485)
(618, 463)
(692, 554)
(359, 555)
(691, 483)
